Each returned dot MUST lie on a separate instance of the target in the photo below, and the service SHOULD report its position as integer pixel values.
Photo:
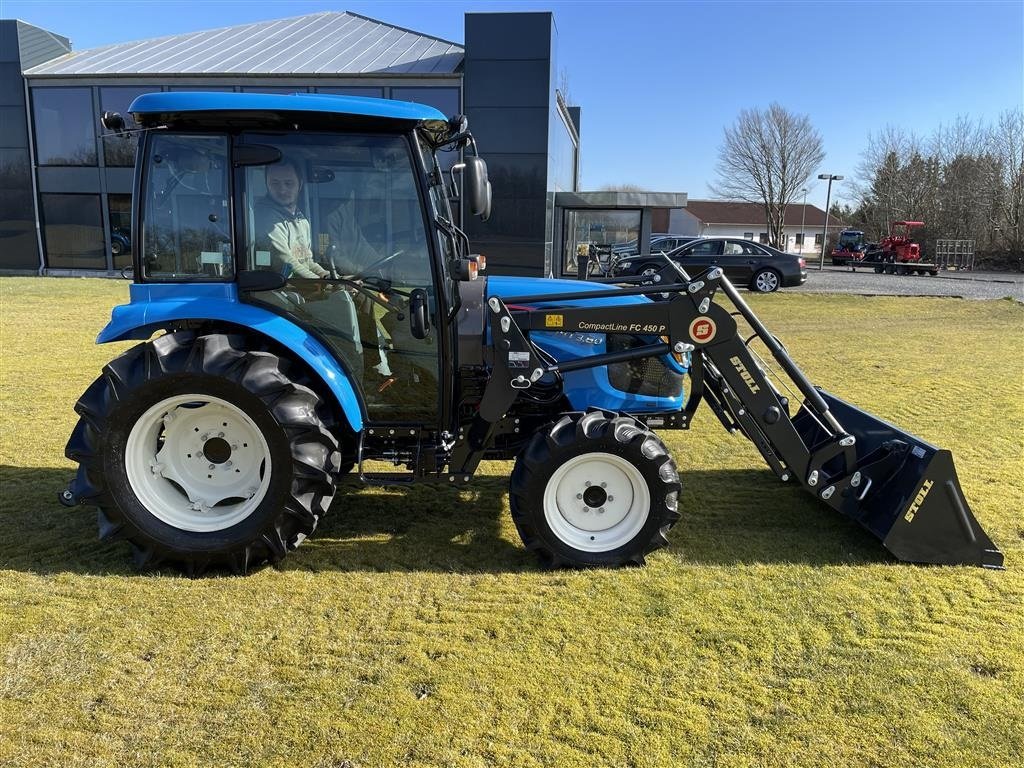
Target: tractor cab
(851, 240)
(332, 212)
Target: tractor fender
(156, 306)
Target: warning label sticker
(518, 359)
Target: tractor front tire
(202, 452)
(596, 489)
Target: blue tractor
(307, 307)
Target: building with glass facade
(65, 188)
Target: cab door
(354, 251)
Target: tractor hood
(503, 286)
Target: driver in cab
(282, 227)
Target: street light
(803, 218)
(828, 197)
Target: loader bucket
(913, 502)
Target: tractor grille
(646, 376)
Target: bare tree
(965, 181)
(1008, 147)
(767, 157)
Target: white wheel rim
(621, 499)
(767, 281)
(172, 476)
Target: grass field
(413, 629)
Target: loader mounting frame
(855, 463)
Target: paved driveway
(966, 285)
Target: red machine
(898, 247)
(898, 254)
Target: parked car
(746, 263)
(660, 241)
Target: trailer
(896, 254)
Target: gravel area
(965, 285)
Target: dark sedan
(746, 263)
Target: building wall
(759, 233)
(680, 222)
(21, 46)
(509, 91)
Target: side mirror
(419, 325)
(112, 121)
(487, 209)
(474, 175)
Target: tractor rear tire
(596, 489)
(201, 453)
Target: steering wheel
(364, 272)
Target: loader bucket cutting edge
(914, 503)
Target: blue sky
(658, 81)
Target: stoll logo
(741, 369)
(702, 330)
(918, 500)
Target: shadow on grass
(729, 517)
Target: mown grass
(415, 630)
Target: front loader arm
(863, 467)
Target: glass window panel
(707, 248)
(341, 217)
(187, 232)
(120, 150)
(562, 168)
(120, 207)
(593, 233)
(12, 127)
(73, 232)
(65, 127)
(354, 90)
(14, 170)
(18, 246)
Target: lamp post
(803, 218)
(828, 197)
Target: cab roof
(165, 103)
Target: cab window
(185, 211)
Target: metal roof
(171, 102)
(328, 43)
(752, 214)
(36, 45)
